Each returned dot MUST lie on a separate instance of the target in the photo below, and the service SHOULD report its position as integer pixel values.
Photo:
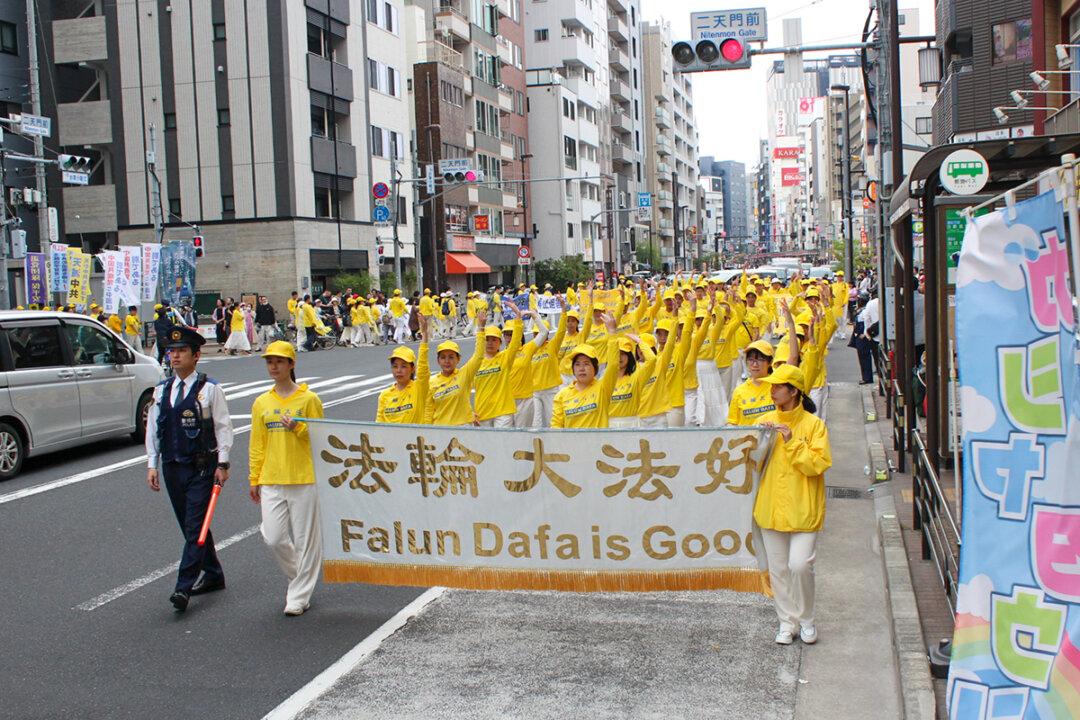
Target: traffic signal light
(727, 54)
(200, 248)
(466, 175)
(74, 163)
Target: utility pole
(845, 141)
(5, 234)
(156, 210)
(35, 107)
(394, 180)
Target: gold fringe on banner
(480, 578)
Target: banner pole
(1069, 163)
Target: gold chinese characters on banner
(585, 510)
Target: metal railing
(934, 521)
(898, 412)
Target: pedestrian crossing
(324, 387)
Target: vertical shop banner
(112, 261)
(79, 267)
(1016, 646)
(58, 267)
(37, 288)
(151, 270)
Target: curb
(917, 700)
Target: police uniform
(189, 435)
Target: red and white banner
(790, 176)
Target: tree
(388, 282)
(360, 282)
(863, 258)
(562, 272)
(648, 254)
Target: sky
(730, 106)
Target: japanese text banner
(582, 510)
(1016, 646)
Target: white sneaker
(784, 637)
(294, 610)
(808, 634)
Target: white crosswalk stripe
(263, 386)
(377, 380)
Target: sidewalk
(655, 655)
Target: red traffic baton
(209, 515)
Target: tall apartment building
(713, 232)
(585, 88)
(468, 90)
(736, 207)
(671, 142)
(272, 121)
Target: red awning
(464, 263)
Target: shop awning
(465, 263)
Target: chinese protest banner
(58, 267)
(587, 510)
(37, 288)
(177, 271)
(131, 285)
(1016, 646)
(548, 305)
(151, 270)
(79, 267)
(112, 261)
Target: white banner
(131, 286)
(151, 270)
(548, 305)
(113, 262)
(516, 509)
(58, 267)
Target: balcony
(663, 145)
(665, 199)
(90, 209)
(506, 99)
(622, 154)
(616, 27)
(663, 118)
(619, 90)
(664, 171)
(506, 53)
(449, 19)
(435, 51)
(506, 151)
(619, 6)
(618, 59)
(85, 123)
(504, 7)
(575, 51)
(323, 158)
(621, 122)
(80, 40)
(330, 78)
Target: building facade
(736, 206)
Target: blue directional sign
(644, 199)
(381, 213)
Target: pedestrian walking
(282, 475)
(133, 328)
(238, 338)
(189, 435)
(790, 505)
(266, 321)
(219, 317)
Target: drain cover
(845, 493)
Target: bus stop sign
(964, 172)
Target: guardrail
(934, 521)
(899, 421)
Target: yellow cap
(280, 348)
(510, 325)
(813, 292)
(403, 353)
(804, 318)
(626, 344)
(156, 307)
(19, 307)
(573, 314)
(701, 284)
(669, 294)
(701, 313)
(585, 349)
(787, 375)
(749, 291)
(427, 291)
(492, 331)
(649, 340)
(667, 325)
(599, 307)
(783, 354)
(448, 345)
(94, 306)
(762, 346)
(397, 291)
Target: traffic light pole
(5, 303)
(35, 107)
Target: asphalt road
(87, 568)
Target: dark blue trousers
(189, 491)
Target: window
(9, 38)
(228, 204)
(324, 204)
(373, 11)
(89, 345)
(397, 147)
(1010, 41)
(924, 125)
(170, 121)
(223, 117)
(540, 35)
(35, 347)
(174, 207)
(219, 31)
(569, 230)
(389, 20)
(317, 42)
(377, 141)
(393, 82)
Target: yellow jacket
(307, 315)
(448, 396)
(493, 393)
(791, 497)
(674, 378)
(132, 325)
(653, 399)
(237, 324)
(115, 324)
(292, 307)
(749, 403)
(275, 455)
(397, 405)
(626, 397)
(588, 408)
(397, 306)
(428, 306)
(689, 364)
(545, 362)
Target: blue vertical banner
(37, 289)
(178, 271)
(1016, 646)
(58, 268)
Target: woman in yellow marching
(405, 400)
(450, 390)
(493, 403)
(585, 403)
(790, 504)
(625, 398)
(283, 477)
(753, 398)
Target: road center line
(326, 679)
(122, 590)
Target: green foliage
(360, 282)
(388, 283)
(648, 254)
(864, 258)
(562, 272)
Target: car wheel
(12, 451)
(142, 415)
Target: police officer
(188, 438)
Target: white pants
(820, 396)
(618, 423)
(676, 417)
(525, 414)
(470, 329)
(266, 335)
(290, 527)
(401, 329)
(791, 570)
(301, 337)
(655, 421)
(690, 408)
(712, 398)
(545, 402)
(738, 367)
(502, 421)
(725, 379)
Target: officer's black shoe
(179, 600)
(203, 586)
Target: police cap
(183, 336)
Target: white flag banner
(58, 267)
(113, 262)
(151, 270)
(132, 275)
(581, 510)
(548, 305)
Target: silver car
(67, 380)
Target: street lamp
(849, 241)
(525, 212)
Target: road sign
(381, 214)
(75, 178)
(747, 25)
(429, 179)
(524, 252)
(36, 125)
(524, 260)
(644, 199)
(380, 190)
(964, 172)
(453, 165)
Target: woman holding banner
(283, 477)
(790, 504)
